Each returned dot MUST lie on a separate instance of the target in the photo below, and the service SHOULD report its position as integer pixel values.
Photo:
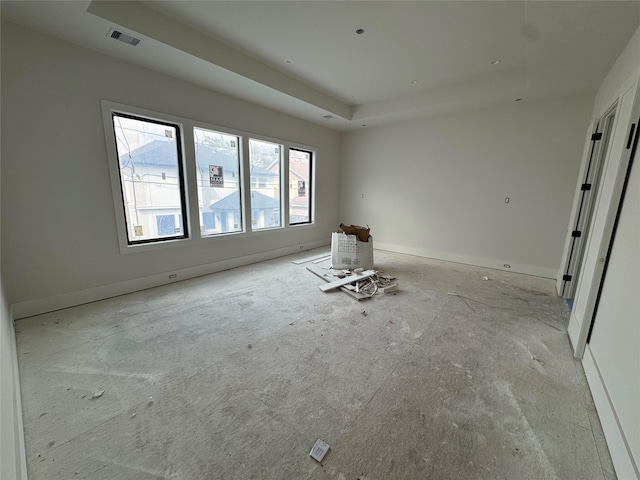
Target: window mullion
(246, 184)
(284, 185)
(191, 191)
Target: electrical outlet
(173, 275)
(506, 265)
(319, 450)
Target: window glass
(151, 178)
(265, 160)
(218, 176)
(299, 186)
(157, 200)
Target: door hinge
(596, 136)
(585, 187)
(566, 278)
(576, 233)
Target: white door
(614, 340)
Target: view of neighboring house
(299, 185)
(151, 176)
(150, 186)
(150, 179)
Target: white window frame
(283, 201)
(311, 187)
(241, 183)
(192, 210)
(181, 181)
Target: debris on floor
(97, 394)
(355, 278)
(358, 285)
(392, 287)
(485, 278)
(351, 268)
(319, 450)
(314, 258)
(533, 357)
(327, 277)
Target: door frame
(608, 199)
(584, 208)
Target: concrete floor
(235, 375)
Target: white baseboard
(13, 461)
(620, 454)
(21, 461)
(470, 260)
(70, 299)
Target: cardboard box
(349, 252)
(361, 232)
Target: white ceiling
(546, 49)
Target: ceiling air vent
(123, 37)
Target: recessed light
(413, 82)
(495, 62)
(360, 31)
(288, 60)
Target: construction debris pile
(357, 283)
(369, 283)
(351, 268)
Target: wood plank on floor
(312, 258)
(351, 293)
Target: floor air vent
(123, 37)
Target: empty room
(349, 240)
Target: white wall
(59, 236)
(437, 187)
(623, 68)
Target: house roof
(259, 201)
(299, 169)
(163, 153)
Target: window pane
(265, 160)
(218, 164)
(299, 186)
(151, 178)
